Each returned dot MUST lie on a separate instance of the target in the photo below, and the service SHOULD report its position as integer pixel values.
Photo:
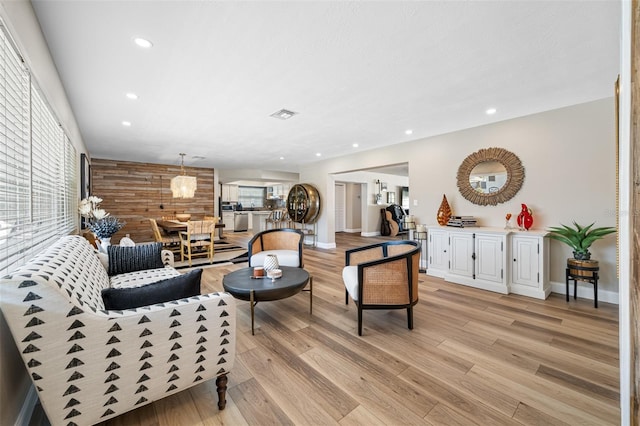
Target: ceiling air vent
(283, 114)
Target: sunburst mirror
(490, 176)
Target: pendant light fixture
(183, 186)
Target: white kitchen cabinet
(228, 220)
(529, 258)
(229, 193)
(438, 244)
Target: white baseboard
(370, 234)
(585, 291)
(353, 230)
(326, 245)
(24, 416)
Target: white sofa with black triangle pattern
(89, 364)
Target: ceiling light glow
(318, 154)
(355, 145)
(491, 111)
(282, 158)
(142, 42)
(126, 123)
(132, 96)
(408, 132)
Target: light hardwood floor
(473, 357)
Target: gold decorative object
(514, 176)
(303, 203)
(444, 212)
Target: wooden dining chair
(169, 242)
(198, 239)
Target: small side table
(408, 226)
(421, 238)
(583, 273)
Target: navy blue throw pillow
(137, 258)
(180, 287)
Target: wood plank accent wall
(134, 192)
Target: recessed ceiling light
(283, 114)
(282, 158)
(355, 145)
(318, 154)
(126, 123)
(132, 96)
(491, 111)
(143, 42)
(408, 132)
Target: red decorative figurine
(525, 218)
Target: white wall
(569, 160)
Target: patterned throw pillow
(180, 287)
(137, 258)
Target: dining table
(175, 226)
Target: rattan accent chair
(383, 276)
(285, 243)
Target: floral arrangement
(98, 220)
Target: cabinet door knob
(514, 260)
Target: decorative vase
(444, 212)
(508, 224)
(525, 218)
(104, 244)
(271, 262)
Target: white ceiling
(356, 72)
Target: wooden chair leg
(221, 387)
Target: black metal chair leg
(595, 291)
(359, 320)
(566, 279)
(410, 317)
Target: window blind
(38, 167)
(251, 196)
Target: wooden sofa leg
(410, 317)
(221, 387)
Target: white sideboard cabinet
(529, 258)
(494, 259)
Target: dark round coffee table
(241, 285)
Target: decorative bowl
(183, 217)
(274, 273)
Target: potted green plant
(579, 238)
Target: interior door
(340, 203)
